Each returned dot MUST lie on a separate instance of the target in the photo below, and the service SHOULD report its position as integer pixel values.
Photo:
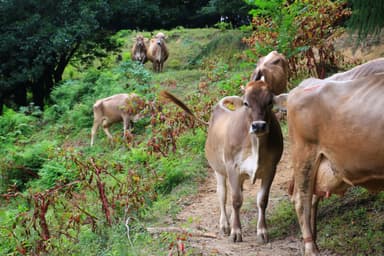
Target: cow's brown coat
(335, 128)
(120, 107)
(139, 50)
(157, 52)
(273, 68)
(243, 143)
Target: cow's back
(112, 106)
(372, 67)
(342, 121)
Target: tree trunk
(38, 93)
(1, 103)
(21, 95)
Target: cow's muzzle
(258, 127)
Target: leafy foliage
(304, 31)
(39, 39)
(79, 195)
(366, 18)
(107, 195)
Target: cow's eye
(246, 104)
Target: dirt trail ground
(203, 214)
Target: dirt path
(203, 214)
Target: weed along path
(202, 215)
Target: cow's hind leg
(106, 130)
(262, 202)
(222, 196)
(96, 124)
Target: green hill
(60, 194)
(62, 197)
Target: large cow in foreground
(120, 107)
(244, 142)
(273, 68)
(336, 129)
(157, 52)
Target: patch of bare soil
(202, 214)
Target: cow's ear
(280, 101)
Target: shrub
(304, 31)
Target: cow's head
(140, 40)
(258, 100)
(160, 37)
(272, 59)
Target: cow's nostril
(258, 126)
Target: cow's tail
(168, 96)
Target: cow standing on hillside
(139, 50)
(335, 126)
(244, 143)
(120, 107)
(273, 68)
(157, 52)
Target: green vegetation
(59, 196)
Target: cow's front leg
(237, 202)
(262, 202)
(221, 187)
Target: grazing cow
(157, 52)
(244, 143)
(274, 69)
(139, 50)
(120, 107)
(335, 128)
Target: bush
(304, 31)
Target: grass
(349, 225)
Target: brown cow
(157, 52)
(120, 107)
(244, 143)
(335, 128)
(274, 69)
(139, 50)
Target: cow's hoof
(225, 230)
(236, 237)
(262, 238)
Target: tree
(304, 31)
(367, 17)
(38, 38)
(233, 11)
